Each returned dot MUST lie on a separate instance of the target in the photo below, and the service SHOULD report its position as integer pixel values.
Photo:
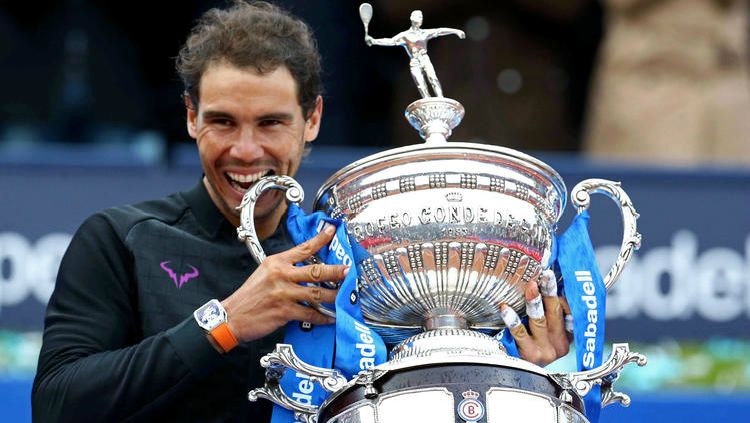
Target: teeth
(243, 179)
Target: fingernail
(548, 283)
(329, 229)
(548, 274)
(549, 288)
(569, 323)
(331, 320)
(509, 316)
(534, 308)
(346, 271)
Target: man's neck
(266, 226)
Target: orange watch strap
(224, 337)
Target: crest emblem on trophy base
(450, 231)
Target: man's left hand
(548, 340)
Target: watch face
(210, 315)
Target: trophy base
(447, 375)
(437, 344)
(450, 393)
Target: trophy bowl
(447, 232)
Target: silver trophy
(452, 230)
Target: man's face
(416, 18)
(248, 126)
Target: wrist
(228, 305)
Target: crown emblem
(454, 197)
(470, 394)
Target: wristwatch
(212, 318)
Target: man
(414, 40)
(121, 341)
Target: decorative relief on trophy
(445, 233)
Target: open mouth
(242, 182)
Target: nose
(247, 147)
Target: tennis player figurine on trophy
(438, 235)
(433, 116)
(414, 40)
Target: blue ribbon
(357, 347)
(586, 295)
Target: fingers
(312, 294)
(534, 306)
(554, 312)
(317, 273)
(303, 313)
(538, 324)
(280, 272)
(311, 246)
(314, 272)
(272, 295)
(545, 340)
(565, 306)
(526, 346)
(568, 317)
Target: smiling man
(154, 315)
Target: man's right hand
(271, 296)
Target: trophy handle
(246, 231)
(604, 375)
(276, 363)
(631, 239)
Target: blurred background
(653, 93)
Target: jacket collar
(203, 208)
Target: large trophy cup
(451, 231)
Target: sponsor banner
(682, 289)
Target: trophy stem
(435, 118)
(445, 321)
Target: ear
(312, 124)
(192, 117)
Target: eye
(222, 122)
(270, 122)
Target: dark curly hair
(258, 35)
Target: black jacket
(120, 342)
